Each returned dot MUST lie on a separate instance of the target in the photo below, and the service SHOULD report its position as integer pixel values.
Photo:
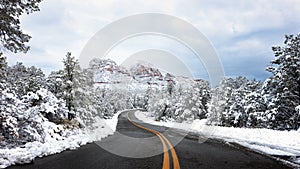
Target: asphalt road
(143, 149)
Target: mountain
(145, 74)
(108, 72)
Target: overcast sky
(242, 32)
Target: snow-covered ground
(55, 143)
(271, 142)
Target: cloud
(241, 31)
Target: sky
(241, 32)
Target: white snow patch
(103, 127)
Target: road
(141, 151)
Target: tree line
(69, 94)
(240, 102)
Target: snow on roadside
(271, 142)
(103, 127)
(56, 143)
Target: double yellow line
(165, 142)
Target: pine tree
(11, 35)
(3, 72)
(71, 69)
(282, 90)
(202, 96)
(78, 90)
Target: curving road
(143, 146)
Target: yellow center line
(173, 152)
(163, 139)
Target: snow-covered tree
(3, 72)
(78, 89)
(230, 101)
(8, 123)
(237, 102)
(71, 72)
(159, 105)
(11, 35)
(253, 104)
(201, 97)
(40, 108)
(282, 90)
(32, 118)
(180, 102)
(25, 79)
(84, 101)
(255, 108)
(170, 87)
(112, 100)
(8, 110)
(55, 83)
(140, 101)
(36, 79)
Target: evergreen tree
(36, 79)
(282, 90)
(78, 90)
(11, 35)
(84, 96)
(3, 72)
(237, 102)
(170, 87)
(202, 96)
(55, 83)
(71, 72)
(24, 80)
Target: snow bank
(26, 153)
(103, 127)
(271, 142)
(56, 143)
